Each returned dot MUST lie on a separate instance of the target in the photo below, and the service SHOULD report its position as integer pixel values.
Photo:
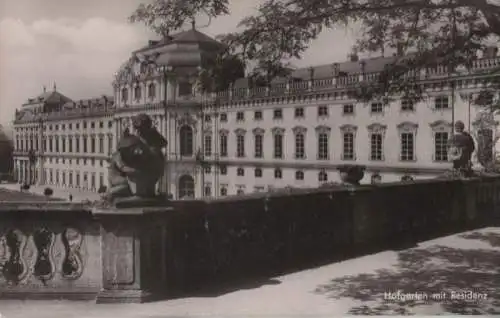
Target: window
(84, 125)
(377, 107)
(208, 118)
(110, 144)
(92, 144)
(376, 146)
(240, 172)
(300, 140)
(208, 170)
(185, 89)
(258, 189)
(208, 190)
(223, 191)
(101, 124)
(223, 145)
(278, 174)
(278, 114)
(240, 116)
(441, 146)
(323, 146)
(186, 187)
(223, 117)
(257, 115)
(110, 124)
(240, 145)
(322, 111)
(441, 102)
(322, 176)
(152, 90)
(208, 145)
(63, 144)
(278, 145)
(77, 144)
(258, 172)
(407, 146)
(186, 140)
(223, 170)
(101, 144)
(407, 105)
(124, 95)
(259, 153)
(92, 125)
(299, 175)
(240, 190)
(299, 112)
(348, 109)
(57, 144)
(348, 146)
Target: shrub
(48, 192)
(102, 189)
(25, 187)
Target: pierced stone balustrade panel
(44, 254)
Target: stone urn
(351, 174)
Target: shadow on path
(435, 269)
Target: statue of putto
(138, 162)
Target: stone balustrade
(58, 249)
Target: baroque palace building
(296, 132)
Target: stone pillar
(133, 250)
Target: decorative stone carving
(72, 266)
(15, 268)
(137, 165)
(44, 265)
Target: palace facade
(296, 132)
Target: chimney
(490, 52)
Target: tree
(425, 32)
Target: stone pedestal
(130, 271)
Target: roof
(372, 65)
(104, 100)
(15, 196)
(51, 97)
(189, 36)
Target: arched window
(152, 90)
(124, 94)
(137, 92)
(186, 187)
(323, 176)
(186, 140)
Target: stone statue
(137, 164)
(460, 149)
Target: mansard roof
(52, 97)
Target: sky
(79, 45)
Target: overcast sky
(80, 44)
